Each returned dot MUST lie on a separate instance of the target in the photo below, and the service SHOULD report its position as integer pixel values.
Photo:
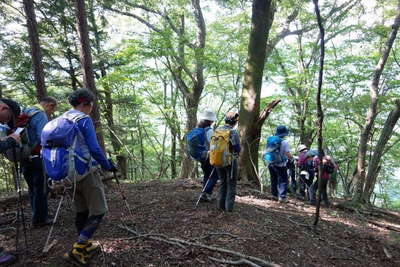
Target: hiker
(199, 145)
(302, 151)
(9, 109)
(224, 152)
(88, 193)
(291, 167)
(308, 167)
(328, 167)
(277, 154)
(33, 119)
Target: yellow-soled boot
(92, 248)
(78, 255)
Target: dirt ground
(169, 230)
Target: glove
(113, 168)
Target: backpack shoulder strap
(74, 116)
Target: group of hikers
(217, 152)
(63, 153)
(64, 150)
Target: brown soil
(258, 227)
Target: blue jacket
(36, 124)
(88, 131)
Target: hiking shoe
(78, 255)
(92, 248)
(282, 200)
(6, 258)
(42, 224)
(274, 198)
(205, 198)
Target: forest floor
(169, 230)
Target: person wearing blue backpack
(71, 153)
(277, 155)
(198, 140)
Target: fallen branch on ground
(222, 233)
(382, 225)
(181, 243)
(238, 262)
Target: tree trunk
(191, 115)
(36, 52)
(374, 165)
(193, 98)
(250, 131)
(109, 108)
(372, 113)
(87, 65)
(320, 113)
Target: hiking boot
(6, 258)
(274, 198)
(78, 255)
(205, 197)
(92, 248)
(42, 224)
(282, 200)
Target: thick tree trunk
(374, 165)
(193, 98)
(250, 131)
(191, 114)
(36, 52)
(372, 113)
(87, 64)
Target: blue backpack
(60, 151)
(196, 143)
(272, 153)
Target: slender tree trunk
(372, 113)
(262, 16)
(87, 64)
(374, 165)
(109, 110)
(320, 113)
(36, 52)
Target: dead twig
(152, 236)
(297, 223)
(238, 262)
(218, 233)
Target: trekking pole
(204, 188)
(46, 245)
(122, 194)
(20, 212)
(233, 159)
